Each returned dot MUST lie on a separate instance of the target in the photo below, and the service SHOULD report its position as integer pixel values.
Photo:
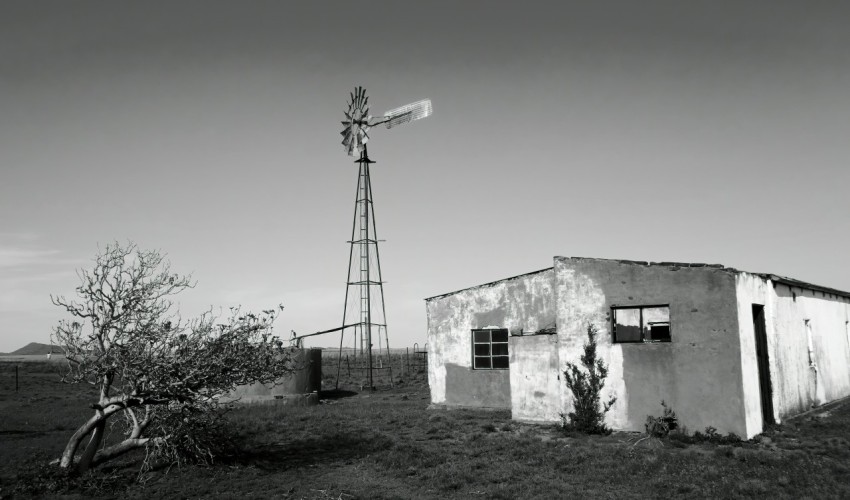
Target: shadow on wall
(649, 377)
(477, 388)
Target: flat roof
(791, 282)
(768, 276)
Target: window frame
(643, 339)
(490, 343)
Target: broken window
(642, 324)
(490, 349)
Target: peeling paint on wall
(520, 304)
(535, 380)
(708, 371)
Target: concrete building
(722, 347)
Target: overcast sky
(687, 131)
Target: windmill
(365, 286)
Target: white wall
(797, 385)
(752, 289)
(535, 378)
(523, 303)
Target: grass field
(386, 444)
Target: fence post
(16, 378)
(348, 365)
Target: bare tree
(162, 374)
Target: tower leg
(364, 235)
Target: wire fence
(351, 368)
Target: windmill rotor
(358, 121)
(355, 135)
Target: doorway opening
(763, 361)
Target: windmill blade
(408, 113)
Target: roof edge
(650, 263)
(484, 285)
(803, 284)
(767, 276)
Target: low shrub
(586, 387)
(661, 426)
(710, 435)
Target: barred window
(490, 349)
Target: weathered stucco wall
(753, 289)
(796, 385)
(535, 380)
(522, 303)
(698, 373)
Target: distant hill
(35, 348)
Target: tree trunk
(121, 448)
(71, 448)
(85, 462)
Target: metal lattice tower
(364, 284)
(364, 293)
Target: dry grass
(385, 444)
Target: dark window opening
(490, 349)
(641, 324)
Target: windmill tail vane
(408, 113)
(358, 121)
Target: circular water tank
(301, 387)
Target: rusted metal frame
(298, 338)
